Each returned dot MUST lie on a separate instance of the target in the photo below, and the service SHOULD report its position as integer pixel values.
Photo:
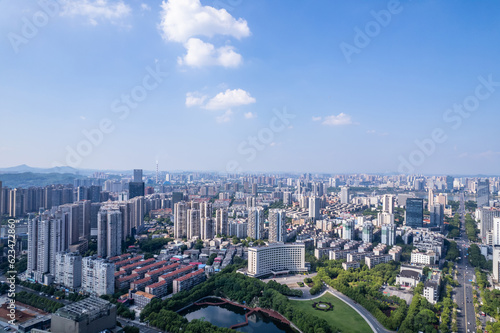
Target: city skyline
(368, 88)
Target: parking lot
(407, 295)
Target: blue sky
(227, 67)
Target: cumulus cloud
(228, 99)
(222, 101)
(145, 6)
(316, 118)
(201, 54)
(338, 120)
(95, 11)
(194, 99)
(183, 19)
(186, 21)
(250, 115)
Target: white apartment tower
(344, 194)
(68, 269)
(98, 276)
(109, 231)
(388, 234)
(180, 220)
(388, 203)
(277, 225)
(221, 221)
(255, 222)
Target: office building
(135, 189)
(414, 214)
(276, 258)
(137, 175)
(277, 225)
(255, 222)
(436, 215)
(483, 193)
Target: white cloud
(222, 101)
(194, 99)
(145, 6)
(96, 10)
(250, 115)
(225, 117)
(339, 120)
(183, 19)
(316, 118)
(201, 54)
(229, 98)
(186, 21)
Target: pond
(227, 315)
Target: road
(370, 319)
(142, 327)
(463, 294)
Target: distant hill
(26, 168)
(27, 179)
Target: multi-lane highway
(463, 294)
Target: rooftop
(91, 307)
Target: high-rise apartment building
(344, 194)
(68, 270)
(98, 276)
(277, 225)
(314, 208)
(388, 234)
(348, 230)
(221, 221)
(255, 222)
(388, 204)
(367, 235)
(109, 231)
(180, 220)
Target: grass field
(342, 316)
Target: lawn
(342, 316)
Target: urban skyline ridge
(85, 171)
